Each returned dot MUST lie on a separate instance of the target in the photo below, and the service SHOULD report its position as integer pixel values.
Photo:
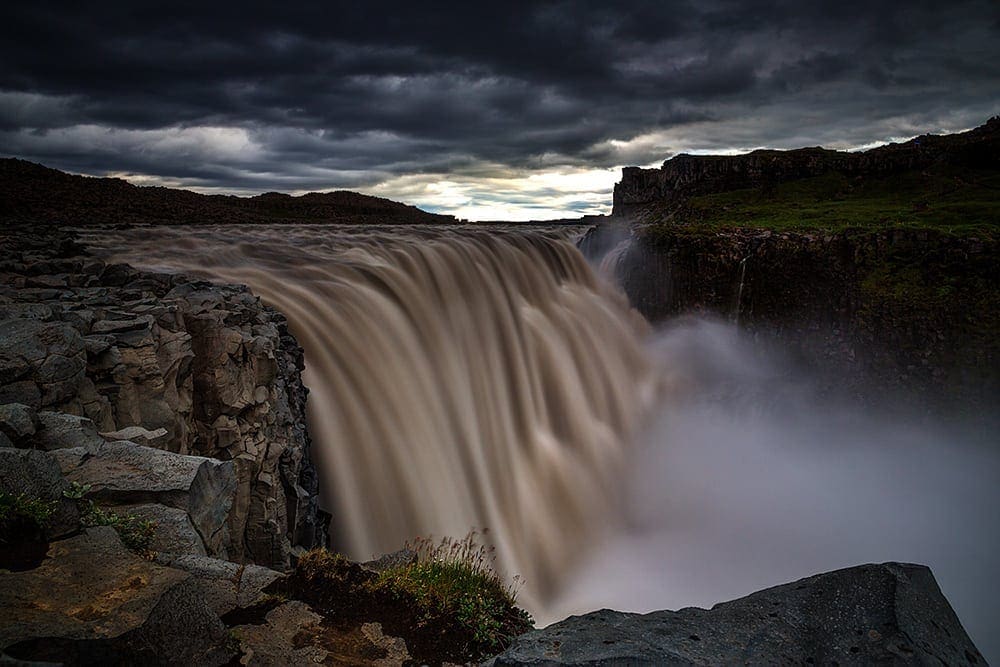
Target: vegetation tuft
(448, 603)
(23, 520)
(135, 533)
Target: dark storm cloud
(312, 95)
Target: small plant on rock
(23, 523)
(135, 533)
(23, 516)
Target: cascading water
(463, 377)
(457, 379)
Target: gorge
(643, 414)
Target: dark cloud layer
(310, 95)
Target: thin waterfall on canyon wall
(458, 379)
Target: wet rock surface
(887, 614)
(184, 367)
(903, 310)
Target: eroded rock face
(684, 176)
(911, 310)
(189, 367)
(891, 613)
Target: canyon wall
(907, 309)
(663, 190)
(170, 363)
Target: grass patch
(449, 605)
(456, 578)
(23, 507)
(23, 521)
(947, 199)
(135, 533)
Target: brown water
(466, 377)
(458, 377)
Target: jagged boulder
(94, 602)
(891, 613)
(18, 422)
(58, 430)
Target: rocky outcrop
(191, 369)
(123, 473)
(685, 176)
(909, 309)
(887, 614)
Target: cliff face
(174, 364)
(684, 176)
(914, 310)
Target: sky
(502, 110)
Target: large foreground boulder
(887, 614)
(94, 602)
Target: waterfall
(458, 378)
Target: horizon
(526, 112)
(140, 180)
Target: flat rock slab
(292, 635)
(92, 602)
(226, 586)
(891, 613)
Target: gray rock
(208, 363)
(890, 613)
(17, 421)
(388, 561)
(36, 474)
(139, 435)
(5, 441)
(94, 602)
(59, 430)
(174, 531)
(226, 585)
(125, 473)
(118, 326)
(51, 354)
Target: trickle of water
(738, 301)
(458, 378)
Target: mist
(748, 477)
